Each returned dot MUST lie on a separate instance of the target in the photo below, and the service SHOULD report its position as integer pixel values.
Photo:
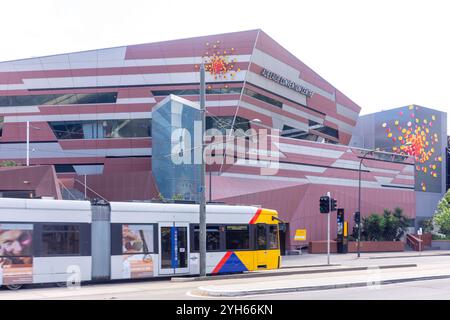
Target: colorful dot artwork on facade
(218, 62)
(414, 131)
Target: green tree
(389, 225)
(403, 222)
(178, 196)
(426, 225)
(394, 224)
(441, 216)
(8, 163)
(371, 227)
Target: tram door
(261, 246)
(173, 248)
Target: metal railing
(90, 189)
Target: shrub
(390, 226)
(426, 225)
(8, 163)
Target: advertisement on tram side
(16, 254)
(137, 243)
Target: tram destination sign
(286, 82)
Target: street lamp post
(202, 209)
(359, 200)
(28, 143)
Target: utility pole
(359, 208)
(210, 185)
(85, 187)
(202, 217)
(359, 199)
(328, 229)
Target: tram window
(60, 239)
(137, 238)
(212, 238)
(238, 237)
(261, 238)
(273, 237)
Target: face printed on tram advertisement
(137, 243)
(16, 258)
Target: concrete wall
(442, 244)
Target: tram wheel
(14, 286)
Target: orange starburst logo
(218, 63)
(415, 137)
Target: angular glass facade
(222, 123)
(102, 129)
(195, 92)
(58, 99)
(175, 158)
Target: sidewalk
(292, 270)
(317, 263)
(371, 278)
(348, 271)
(351, 259)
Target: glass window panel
(263, 98)
(191, 92)
(58, 99)
(134, 128)
(273, 237)
(261, 238)
(212, 238)
(60, 240)
(223, 123)
(237, 237)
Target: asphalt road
(170, 290)
(430, 289)
(417, 290)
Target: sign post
(328, 205)
(328, 231)
(419, 232)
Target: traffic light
(357, 217)
(324, 204)
(333, 205)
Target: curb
(413, 256)
(311, 266)
(237, 293)
(287, 273)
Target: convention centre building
(95, 119)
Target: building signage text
(286, 82)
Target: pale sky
(382, 54)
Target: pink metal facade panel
(135, 73)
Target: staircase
(71, 190)
(414, 242)
(72, 194)
(419, 243)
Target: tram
(57, 241)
